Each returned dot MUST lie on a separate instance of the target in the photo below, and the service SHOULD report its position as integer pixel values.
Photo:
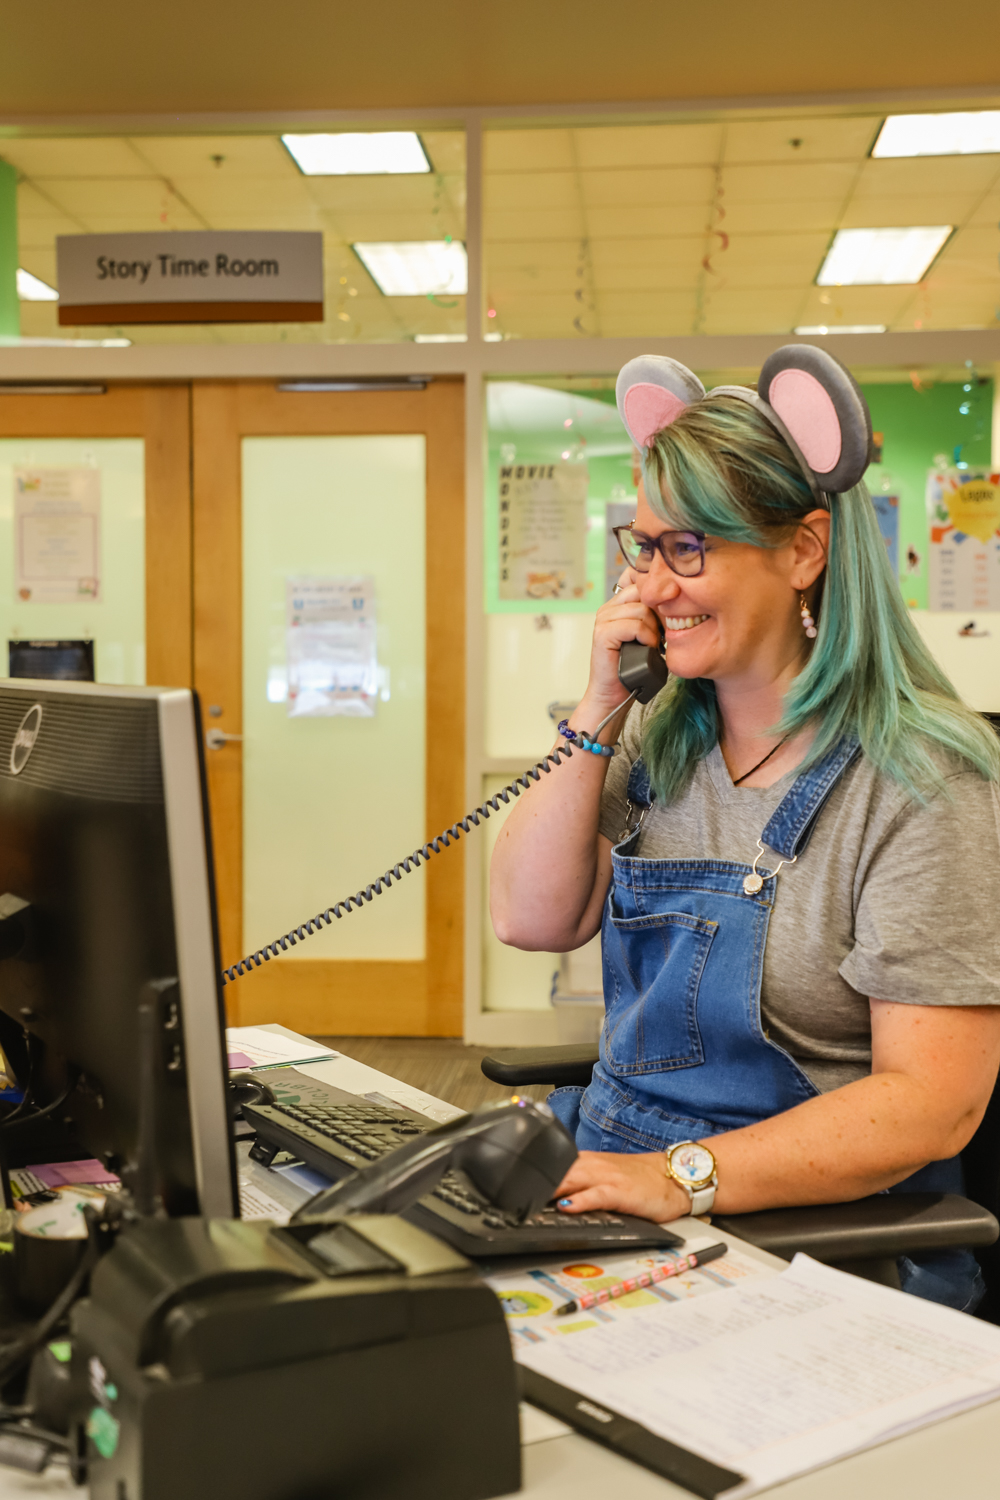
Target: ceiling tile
(534, 224)
(787, 184)
(635, 187)
(659, 219)
(446, 150)
(801, 214)
(83, 156)
(527, 150)
(889, 212)
(852, 304)
(728, 311)
(527, 190)
(243, 156)
(657, 315)
(912, 177)
(270, 196)
(987, 211)
(643, 254)
(824, 138)
(647, 145)
(801, 253)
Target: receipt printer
(358, 1358)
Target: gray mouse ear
(652, 391)
(820, 403)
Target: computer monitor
(67, 661)
(104, 832)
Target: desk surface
(957, 1458)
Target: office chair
(865, 1237)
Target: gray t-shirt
(892, 899)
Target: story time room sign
(191, 276)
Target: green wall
(917, 425)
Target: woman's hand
(636, 1185)
(623, 618)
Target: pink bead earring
(808, 623)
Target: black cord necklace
(757, 767)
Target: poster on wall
(887, 509)
(57, 529)
(332, 656)
(963, 512)
(543, 531)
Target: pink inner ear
(649, 408)
(810, 416)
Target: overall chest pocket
(652, 971)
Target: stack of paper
(253, 1047)
(772, 1377)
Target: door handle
(216, 738)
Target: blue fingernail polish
(565, 1202)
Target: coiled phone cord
(413, 861)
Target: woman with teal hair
(793, 853)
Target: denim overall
(683, 1054)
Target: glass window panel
(116, 184)
(717, 227)
(331, 802)
(116, 621)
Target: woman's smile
(682, 622)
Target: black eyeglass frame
(660, 543)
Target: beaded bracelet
(584, 740)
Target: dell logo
(24, 739)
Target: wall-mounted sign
(543, 531)
(191, 276)
(963, 508)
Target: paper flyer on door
(57, 527)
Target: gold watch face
(692, 1165)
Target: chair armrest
(558, 1066)
(888, 1225)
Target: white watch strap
(702, 1199)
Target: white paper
(256, 1204)
(530, 1297)
(781, 1375)
(331, 645)
(57, 520)
(256, 1048)
(543, 531)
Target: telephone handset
(641, 669)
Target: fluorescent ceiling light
(31, 289)
(380, 152)
(439, 338)
(841, 328)
(415, 268)
(881, 257)
(968, 133)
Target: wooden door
(160, 416)
(408, 997)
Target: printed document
(775, 1375)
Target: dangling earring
(808, 623)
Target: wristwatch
(693, 1166)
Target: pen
(645, 1278)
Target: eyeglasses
(682, 551)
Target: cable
(40, 1114)
(396, 872)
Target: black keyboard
(337, 1133)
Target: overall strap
(639, 791)
(791, 824)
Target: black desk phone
(641, 669)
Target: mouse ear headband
(805, 394)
